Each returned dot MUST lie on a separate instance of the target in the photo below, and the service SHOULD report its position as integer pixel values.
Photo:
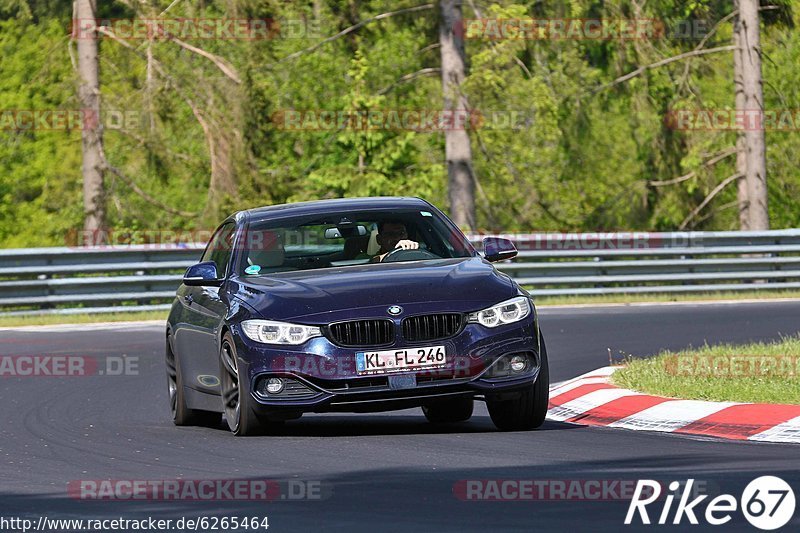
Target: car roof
(321, 207)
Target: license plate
(402, 360)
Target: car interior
(325, 244)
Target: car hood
(325, 295)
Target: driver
(392, 235)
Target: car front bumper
(323, 376)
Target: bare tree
(741, 159)
(751, 104)
(92, 132)
(458, 153)
(215, 103)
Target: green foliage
(371, 160)
(40, 176)
(553, 147)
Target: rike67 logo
(768, 502)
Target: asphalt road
(386, 472)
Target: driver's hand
(406, 244)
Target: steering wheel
(399, 254)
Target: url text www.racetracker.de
(201, 523)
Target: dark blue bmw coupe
(355, 305)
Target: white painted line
(788, 431)
(555, 393)
(89, 326)
(670, 415)
(605, 371)
(558, 307)
(589, 377)
(587, 402)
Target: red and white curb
(592, 400)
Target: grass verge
(47, 320)
(758, 373)
(661, 298)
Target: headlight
(271, 332)
(507, 312)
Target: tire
(237, 405)
(528, 411)
(449, 411)
(181, 414)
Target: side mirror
(497, 249)
(202, 274)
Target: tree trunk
(458, 153)
(225, 150)
(752, 109)
(741, 157)
(91, 133)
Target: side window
(220, 249)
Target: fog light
(274, 385)
(518, 363)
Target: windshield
(348, 238)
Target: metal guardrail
(80, 280)
(135, 278)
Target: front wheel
(530, 408)
(236, 401)
(182, 415)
